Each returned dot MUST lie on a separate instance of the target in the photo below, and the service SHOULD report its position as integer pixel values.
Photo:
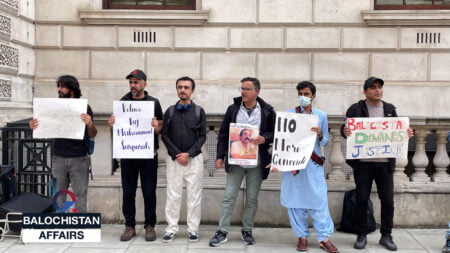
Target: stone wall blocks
(173, 65)
(332, 11)
(256, 38)
(116, 64)
(438, 70)
(48, 36)
(369, 38)
(53, 63)
(285, 11)
(312, 38)
(340, 66)
(400, 66)
(60, 11)
(231, 11)
(89, 37)
(144, 37)
(284, 66)
(210, 37)
(228, 66)
(425, 38)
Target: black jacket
(359, 110)
(266, 130)
(157, 113)
(184, 132)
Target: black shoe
(361, 242)
(388, 243)
(218, 239)
(247, 237)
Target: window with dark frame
(412, 4)
(150, 4)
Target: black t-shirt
(70, 148)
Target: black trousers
(131, 169)
(364, 176)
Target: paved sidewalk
(277, 240)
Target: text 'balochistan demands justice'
(294, 141)
(377, 137)
(133, 131)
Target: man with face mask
(306, 190)
(70, 163)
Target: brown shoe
(302, 244)
(328, 246)
(150, 234)
(129, 233)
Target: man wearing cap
(146, 168)
(379, 169)
(70, 163)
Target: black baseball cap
(371, 80)
(139, 74)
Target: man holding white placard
(248, 109)
(365, 171)
(305, 190)
(70, 156)
(131, 169)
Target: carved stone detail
(10, 6)
(9, 57)
(5, 27)
(5, 88)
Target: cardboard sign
(133, 131)
(294, 141)
(377, 137)
(59, 118)
(241, 149)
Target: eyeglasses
(242, 89)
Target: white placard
(377, 137)
(59, 118)
(294, 141)
(241, 149)
(61, 235)
(133, 131)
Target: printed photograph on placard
(242, 151)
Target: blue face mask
(304, 101)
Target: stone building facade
(335, 44)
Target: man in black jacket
(248, 109)
(379, 169)
(184, 133)
(146, 168)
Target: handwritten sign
(241, 149)
(377, 137)
(294, 141)
(133, 131)
(59, 118)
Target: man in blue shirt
(306, 190)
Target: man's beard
(62, 95)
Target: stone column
(420, 159)
(441, 159)
(336, 157)
(399, 173)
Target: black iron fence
(30, 158)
